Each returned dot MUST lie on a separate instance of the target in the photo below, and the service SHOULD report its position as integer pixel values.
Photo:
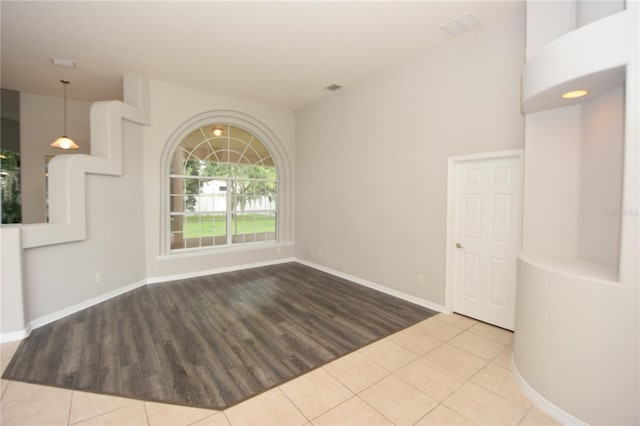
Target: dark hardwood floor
(211, 341)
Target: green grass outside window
(215, 225)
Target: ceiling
(279, 53)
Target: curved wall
(576, 347)
(570, 346)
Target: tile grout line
(459, 387)
(195, 421)
(526, 414)
(469, 381)
(226, 417)
(146, 413)
(69, 410)
(424, 393)
(481, 357)
(132, 402)
(497, 394)
(5, 389)
(367, 387)
(405, 382)
(353, 395)
(374, 408)
(458, 413)
(292, 403)
(491, 390)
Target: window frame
(284, 189)
(229, 213)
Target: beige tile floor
(447, 370)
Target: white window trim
(228, 211)
(284, 195)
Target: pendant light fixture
(217, 131)
(64, 142)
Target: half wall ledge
(67, 173)
(564, 338)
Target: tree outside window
(223, 189)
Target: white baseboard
(46, 319)
(166, 278)
(400, 295)
(15, 335)
(541, 402)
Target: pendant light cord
(65, 83)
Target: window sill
(212, 251)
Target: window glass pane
(218, 144)
(260, 150)
(237, 146)
(253, 226)
(241, 134)
(215, 176)
(192, 140)
(204, 230)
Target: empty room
(320, 213)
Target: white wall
(41, 122)
(171, 107)
(13, 320)
(576, 346)
(601, 156)
(371, 160)
(592, 10)
(59, 276)
(560, 16)
(552, 182)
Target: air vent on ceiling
(460, 25)
(333, 87)
(66, 63)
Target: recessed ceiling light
(575, 94)
(67, 63)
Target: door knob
(458, 245)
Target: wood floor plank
(211, 341)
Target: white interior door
(486, 238)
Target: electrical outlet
(319, 252)
(99, 277)
(420, 279)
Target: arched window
(223, 187)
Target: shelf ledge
(592, 57)
(574, 267)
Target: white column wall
(577, 340)
(13, 316)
